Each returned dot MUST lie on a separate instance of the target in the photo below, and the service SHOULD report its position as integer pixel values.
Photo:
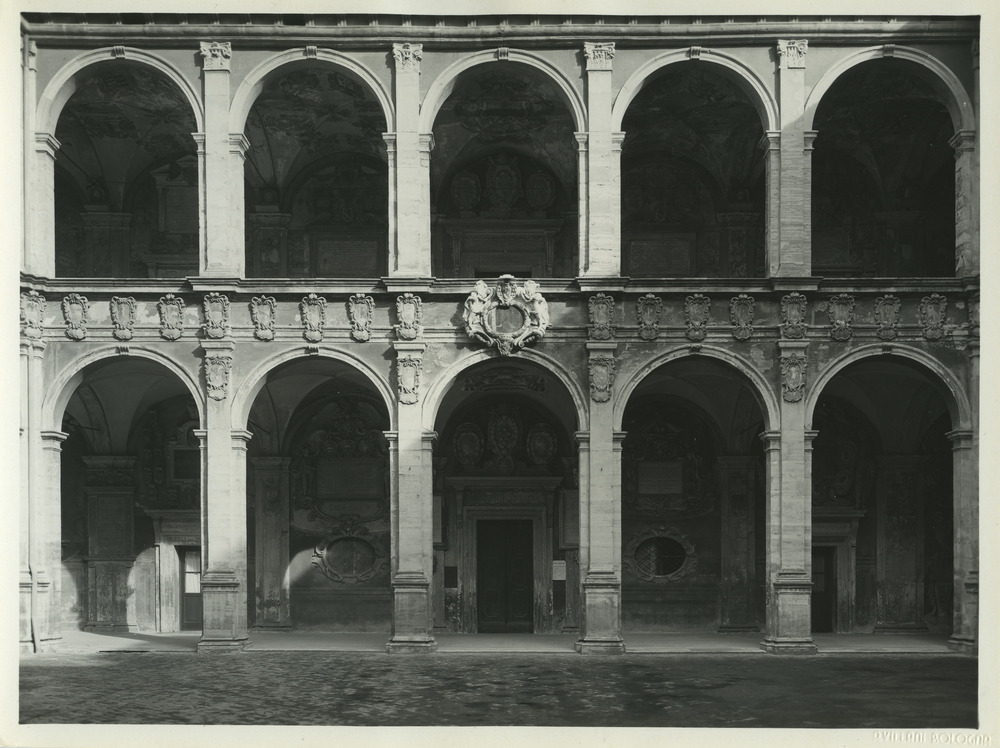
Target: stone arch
(443, 382)
(732, 68)
(65, 384)
(761, 389)
(957, 400)
(251, 384)
(254, 81)
(942, 80)
(63, 84)
(444, 84)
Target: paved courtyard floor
(680, 689)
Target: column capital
(201, 435)
(796, 346)
(809, 139)
(408, 57)
(392, 437)
(581, 141)
(962, 141)
(53, 439)
(810, 436)
(583, 439)
(30, 54)
(390, 141)
(45, 142)
(218, 347)
(601, 348)
(238, 144)
(242, 436)
(413, 348)
(216, 55)
(427, 438)
(772, 440)
(770, 140)
(960, 439)
(599, 55)
(426, 142)
(199, 142)
(792, 53)
(617, 437)
(37, 347)
(617, 138)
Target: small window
(192, 571)
(659, 557)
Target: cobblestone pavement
(324, 688)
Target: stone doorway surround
(837, 528)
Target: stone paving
(360, 688)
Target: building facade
(479, 324)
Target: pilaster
(603, 179)
(29, 74)
(771, 145)
(25, 583)
(41, 253)
(412, 506)
(965, 627)
(966, 204)
(45, 543)
(794, 257)
(271, 547)
(600, 513)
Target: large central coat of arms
(507, 316)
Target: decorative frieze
(360, 311)
(697, 309)
(793, 376)
(887, 316)
(409, 309)
(741, 313)
(408, 56)
(793, 53)
(32, 311)
(602, 377)
(507, 316)
(75, 309)
(262, 316)
(216, 55)
(793, 316)
(312, 310)
(216, 309)
(841, 311)
(599, 55)
(171, 311)
(123, 309)
(932, 310)
(408, 371)
(601, 309)
(647, 311)
(217, 370)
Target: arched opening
(504, 176)
(693, 501)
(692, 176)
(126, 196)
(316, 176)
(882, 501)
(318, 496)
(131, 501)
(506, 503)
(883, 175)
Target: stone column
(413, 521)
(602, 256)
(410, 183)
(789, 521)
(41, 254)
(738, 544)
(221, 248)
(965, 636)
(966, 204)
(794, 257)
(236, 189)
(271, 528)
(110, 542)
(106, 243)
(223, 507)
(771, 145)
(600, 513)
(45, 543)
(25, 584)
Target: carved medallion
(540, 444)
(793, 315)
(647, 311)
(507, 316)
(360, 311)
(75, 309)
(468, 444)
(793, 377)
(171, 310)
(933, 309)
(312, 309)
(32, 309)
(841, 316)
(660, 555)
(602, 317)
(408, 370)
(539, 190)
(409, 309)
(216, 308)
(696, 312)
(217, 370)
(262, 316)
(351, 554)
(602, 377)
(465, 192)
(741, 312)
(887, 316)
(122, 316)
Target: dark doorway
(190, 588)
(824, 591)
(504, 576)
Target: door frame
(837, 527)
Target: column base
(223, 646)
(600, 646)
(964, 644)
(789, 646)
(411, 646)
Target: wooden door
(824, 591)
(504, 576)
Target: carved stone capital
(599, 55)
(216, 55)
(408, 56)
(793, 52)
